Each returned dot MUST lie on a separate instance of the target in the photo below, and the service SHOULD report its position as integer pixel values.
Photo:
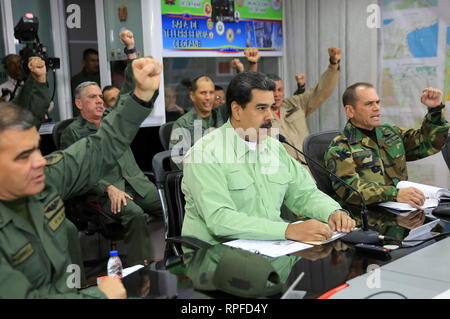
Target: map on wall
(412, 38)
(221, 26)
(415, 55)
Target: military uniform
(35, 98)
(375, 169)
(184, 134)
(128, 177)
(185, 125)
(294, 111)
(35, 259)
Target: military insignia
(55, 212)
(23, 254)
(56, 221)
(53, 158)
(363, 153)
(393, 140)
(53, 207)
(331, 165)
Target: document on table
(276, 248)
(405, 209)
(271, 248)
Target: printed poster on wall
(415, 55)
(217, 27)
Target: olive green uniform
(35, 98)
(35, 259)
(128, 177)
(185, 133)
(375, 169)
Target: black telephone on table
(443, 208)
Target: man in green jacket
(34, 94)
(124, 189)
(36, 253)
(372, 157)
(236, 178)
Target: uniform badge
(53, 158)
(331, 165)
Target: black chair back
(57, 131)
(164, 134)
(446, 152)
(315, 146)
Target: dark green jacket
(126, 167)
(374, 170)
(35, 98)
(34, 264)
(183, 130)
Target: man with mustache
(372, 157)
(37, 250)
(205, 116)
(237, 177)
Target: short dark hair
(88, 52)
(109, 87)
(6, 59)
(218, 88)
(194, 82)
(349, 97)
(15, 117)
(274, 77)
(241, 86)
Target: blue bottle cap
(113, 253)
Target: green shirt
(234, 192)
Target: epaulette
(53, 158)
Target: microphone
(364, 235)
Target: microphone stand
(364, 235)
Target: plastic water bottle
(114, 264)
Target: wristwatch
(133, 50)
(331, 62)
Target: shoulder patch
(331, 165)
(53, 158)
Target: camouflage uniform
(374, 170)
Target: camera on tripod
(26, 31)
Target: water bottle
(114, 264)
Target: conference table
(410, 269)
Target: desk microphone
(364, 235)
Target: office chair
(316, 145)
(168, 184)
(164, 134)
(446, 152)
(57, 131)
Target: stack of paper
(432, 195)
(276, 248)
